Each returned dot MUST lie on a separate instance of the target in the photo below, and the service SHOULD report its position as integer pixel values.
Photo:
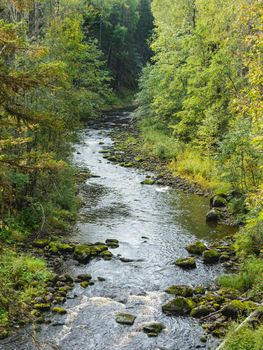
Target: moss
(3, 333)
(84, 277)
(56, 247)
(59, 310)
(112, 243)
(201, 311)
(153, 328)
(179, 306)
(210, 256)
(186, 263)
(237, 308)
(180, 290)
(84, 284)
(106, 255)
(40, 243)
(42, 306)
(196, 248)
(148, 182)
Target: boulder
(210, 256)
(236, 308)
(212, 216)
(152, 329)
(112, 243)
(186, 263)
(219, 201)
(124, 318)
(179, 306)
(201, 311)
(196, 248)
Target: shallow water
(118, 206)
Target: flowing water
(153, 225)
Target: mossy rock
(59, 310)
(35, 313)
(42, 306)
(60, 299)
(224, 257)
(148, 182)
(179, 306)
(83, 277)
(199, 290)
(41, 243)
(201, 311)
(219, 202)
(55, 247)
(210, 256)
(112, 243)
(236, 308)
(124, 318)
(139, 159)
(106, 255)
(213, 215)
(186, 263)
(152, 329)
(196, 248)
(181, 290)
(3, 333)
(126, 164)
(84, 284)
(85, 252)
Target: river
(153, 225)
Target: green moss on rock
(179, 306)
(42, 306)
(237, 308)
(180, 290)
(196, 248)
(201, 311)
(186, 263)
(59, 310)
(124, 318)
(210, 256)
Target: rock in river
(123, 318)
(179, 306)
(153, 329)
(210, 256)
(186, 263)
(196, 248)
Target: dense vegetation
(200, 107)
(61, 63)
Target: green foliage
(204, 90)
(249, 279)
(246, 338)
(22, 278)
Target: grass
(250, 278)
(184, 160)
(22, 278)
(246, 338)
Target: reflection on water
(153, 225)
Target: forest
(191, 71)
